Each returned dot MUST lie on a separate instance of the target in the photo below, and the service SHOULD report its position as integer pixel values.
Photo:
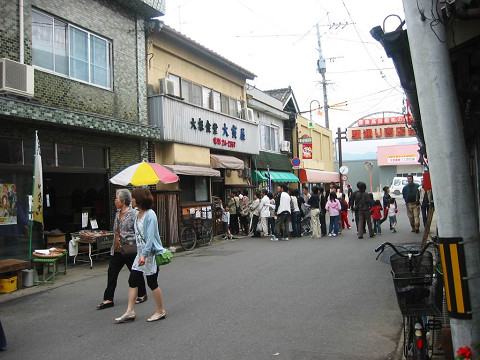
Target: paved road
(244, 299)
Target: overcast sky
(277, 40)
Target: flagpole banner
(38, 184)
(8, 205)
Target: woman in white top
(265, 206)
(255, 209)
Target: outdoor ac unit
(285, 146)
(16, 78)
(247, 114)
(167, 86)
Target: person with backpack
(362, 205)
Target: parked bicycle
(419, 290)
(191, 235)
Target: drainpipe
(21, 31)
(447, 154)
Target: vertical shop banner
(307, 153)
(8, 206)
(37, 183)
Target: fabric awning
(276, 176)
(257, 176)
(226, 162)
(280, 176)
(318, 176)
(192, 170)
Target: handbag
(164, 259)
(160, 259)
(129, 248)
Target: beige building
(316, 162)
(197, 100)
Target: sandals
(141, 299)
(126, 317)
(161, 316)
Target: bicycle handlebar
(413, 253)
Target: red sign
(307, 152)
(223, 142)
(379, 132)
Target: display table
(14, 265)
(102, 240)
(47, 261)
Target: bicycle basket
(416, 270)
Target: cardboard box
(8, 284)
(56, 239)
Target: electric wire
(364, 45)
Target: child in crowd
(344, 204)
(226, 221)
(376, 212)
(392, 215)
(334, 208)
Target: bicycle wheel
(188, 238)
(207, 235)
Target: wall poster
(8, 204)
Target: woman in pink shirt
(334, 208)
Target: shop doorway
(67, 195)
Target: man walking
(283, 209)
(409, 193)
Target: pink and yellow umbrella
(144, 173)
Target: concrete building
(75, 72)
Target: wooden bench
(14, 265)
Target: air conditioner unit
(285, 146)
(167, 86)
(16, 78)
(247, 114)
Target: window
(217, 104)
(94, 157)
(194, 188)
(197, 95)
(69, 155)
(176, 81)
(225, 104)
(206, 98)
(187, 90)
(68, 50)
(269, 138)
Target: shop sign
(379, 132)
(396, 159)
(226, 132)
(381, 121)
(305, 140)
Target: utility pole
(447, 155)
(341, 135)
(322, 69)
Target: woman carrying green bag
(148, 245)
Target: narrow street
(244, 299)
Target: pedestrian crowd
(289, 214)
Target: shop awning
(226, 162)
(192, 170)
(318, 176)
(257, 176)
(276, 176)
(280, 176)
